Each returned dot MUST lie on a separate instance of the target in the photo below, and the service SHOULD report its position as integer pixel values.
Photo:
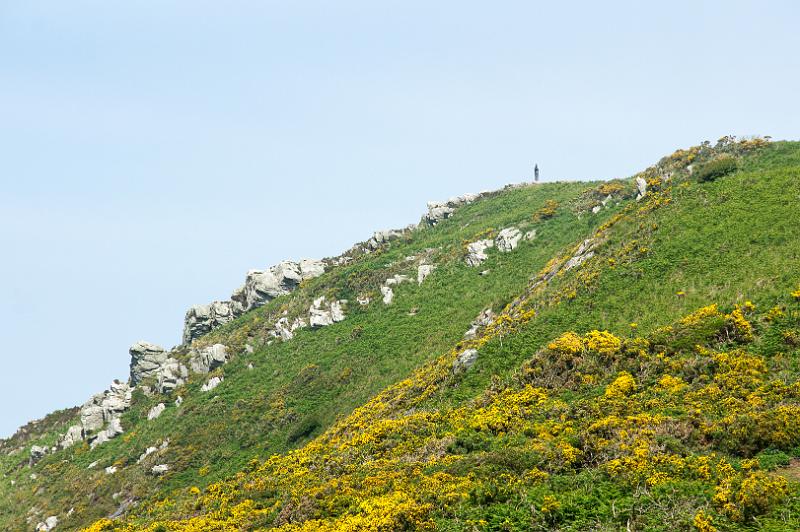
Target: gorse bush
(716, 168)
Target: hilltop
(581, 355)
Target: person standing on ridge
(536, 173)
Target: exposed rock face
(260, 287)
(476, 252)
(202, 319)
(111, 431)
(171, 375)
(322, 313)
(441, 210)
(74, 435)
(641, 187)
(156, 411)
(208, 358)
(146, 361)
(482, 320)
(211, 384)
(102, 410)
(423, 271)
(386, 289)
(508, 239)
(382, 237)
(464, 361)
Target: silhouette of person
(536, 173)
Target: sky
(151, 152)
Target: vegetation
(654, 386)
(716, 168)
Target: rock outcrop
(211, 384)
(156, 411)
(48, 524)
(379, 238)
(464, 361)
(208, 358)
(321, 313)
(441, 210)
(259, 288)
(641, 188)
(99, 417)
(508, 239)
(37, 453)
(482, 320)
(423, 271)
(476, 252)
(202, 319)
(146, 361)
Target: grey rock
(73, 435)
(481, 320)
(112, 430)
(363, 300)
(179, 401)
(641, 187)
(530, 235)
(508, 239)
(310, 268)
(171, 375)
(208, 358)
(37, 453)
(321, 313)
(49, 524)
(146, 360)
(596, 209)
(211, 384)
(388, 295)
(423, 271)
(465, 360)
(110, 470)
(156, 411)
(441, 210)
(202, 319)
(284, 329)
(476, 252)
(379, 238)
(159, 469)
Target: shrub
(721, 166)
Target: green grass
(724, 241)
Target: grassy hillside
(558, 425)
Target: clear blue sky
(153, 151)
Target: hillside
(631, 361)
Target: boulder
(530, 235)
(49, 524)
(508, 239)
(322, 313)
(211, 384)
(37, 453)
(112, 430)
(388, 295)
(423, 271)
(363, 300)
(159, 469)
(156, 411)
(146, 361)
(285, 329)
(104, 407)
(476, 252)
(641, 187)
(465, 360)
(208, 358)
(110, 470)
